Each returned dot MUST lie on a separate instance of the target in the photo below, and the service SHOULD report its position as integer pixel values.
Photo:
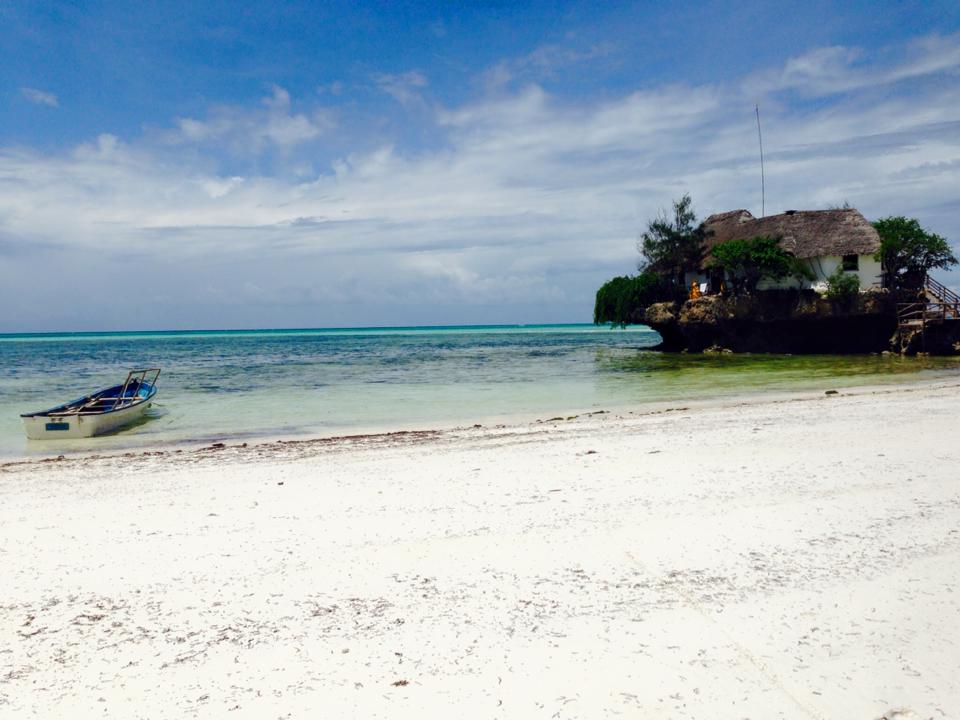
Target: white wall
(869, 273)
(822, 267)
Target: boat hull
(47, 427)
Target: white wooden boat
(98, 413)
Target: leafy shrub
(621, 301)
(842, 286)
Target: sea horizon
(291, 330)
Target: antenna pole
(763, 190)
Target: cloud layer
(516, 207)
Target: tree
(908, 252)
(621, 301)
(750, 260)
(671, 246)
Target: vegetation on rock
(749, 261)
(908, 252)
(621, 301)
(669, 245)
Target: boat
(98, 413)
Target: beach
(790, 557)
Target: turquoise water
(242, 384)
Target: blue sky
(229, 164)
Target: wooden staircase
(937, 292)
(939, 305)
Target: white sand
(792, 559)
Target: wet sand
(771, 559)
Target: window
(851, 263)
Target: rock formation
(777, 321)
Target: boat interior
(136, 388)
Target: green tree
(908, 252)
(672, 245)
(621, 301)
(750, 260)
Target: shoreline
(608, 375)
(249, 444)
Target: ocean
(238, 385)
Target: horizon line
(169, 331)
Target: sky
(229, 164)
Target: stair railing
(941, 291)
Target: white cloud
(524, 205)
(830, 70)
(403, 88)
(40, 97)
(197, 131)
(334, 88)
(254, 130)
(546, 61)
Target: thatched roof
(805, 233)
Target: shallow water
(238, 384)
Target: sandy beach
(789, 558)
